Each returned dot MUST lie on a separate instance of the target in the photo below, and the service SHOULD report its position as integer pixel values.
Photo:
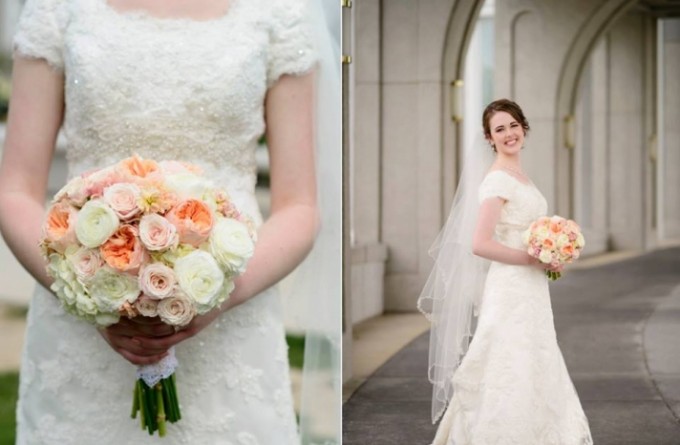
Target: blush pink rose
(157, 281)
(157, 233)
(86, 262)
(147, 307)
(123, 198)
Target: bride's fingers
(132, 329)
(140, 360)
(133, 345)
(164, 343)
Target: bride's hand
(125, 337)
(549, 267)
(165, 342)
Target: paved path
(619, 330)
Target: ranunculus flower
(157, 280)
(59, 228)
(177, 310)
(110, 289)
(193, 220)
(96, 223)
(200, 277)
(123, 251)
(231, 245)
(148, 307)
(86, 262)
(123, 199)
(157, 233)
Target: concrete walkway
(618, 326)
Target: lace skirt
(233, 382)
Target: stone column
(670, 152)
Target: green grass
(296, 350)
(9, 391)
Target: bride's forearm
(284, 240)
(20, 223)
(495, 251)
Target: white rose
(526, 236)
(85, 262)
(221, 297)
(110, 289)
(157, 280)
(96, 223)
(123, 198)
(188, 185)
(580, 241)
(157, 233)
(200, 277)
(148, 307)
(545, 256)
(177, 310)
(231, 244)
(562, 240)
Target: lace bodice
(524, 204)
(200, 96)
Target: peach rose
(123, 198)
(59, 229)
(123, 251)
(157, 233)
(138, 167)
(98, 181)
(193, 220)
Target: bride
(199, 81)
(509, 384)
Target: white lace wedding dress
(167, 89)
(512, 386)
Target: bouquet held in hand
(555, 241)
(145, 239)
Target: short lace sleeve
(497, 184)
(291, 47)
(40, 31)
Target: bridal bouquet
(554, 240)
(151, 239)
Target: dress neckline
(527, 184)
(148, 16)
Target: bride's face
(506, 133)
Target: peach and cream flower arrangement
(143, 238)
(554, 240)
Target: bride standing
(509, 385)
(199, 81)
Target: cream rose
(110, 289)
(231, 245)
(580, 241)
(188, 185)
(562, 240)
(157, 281)
(157, 233)
(177, 310)
(200, 277)
(96, 223)
(146, 306)
(123, 198)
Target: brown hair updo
(509, 107)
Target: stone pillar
(670, 151)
